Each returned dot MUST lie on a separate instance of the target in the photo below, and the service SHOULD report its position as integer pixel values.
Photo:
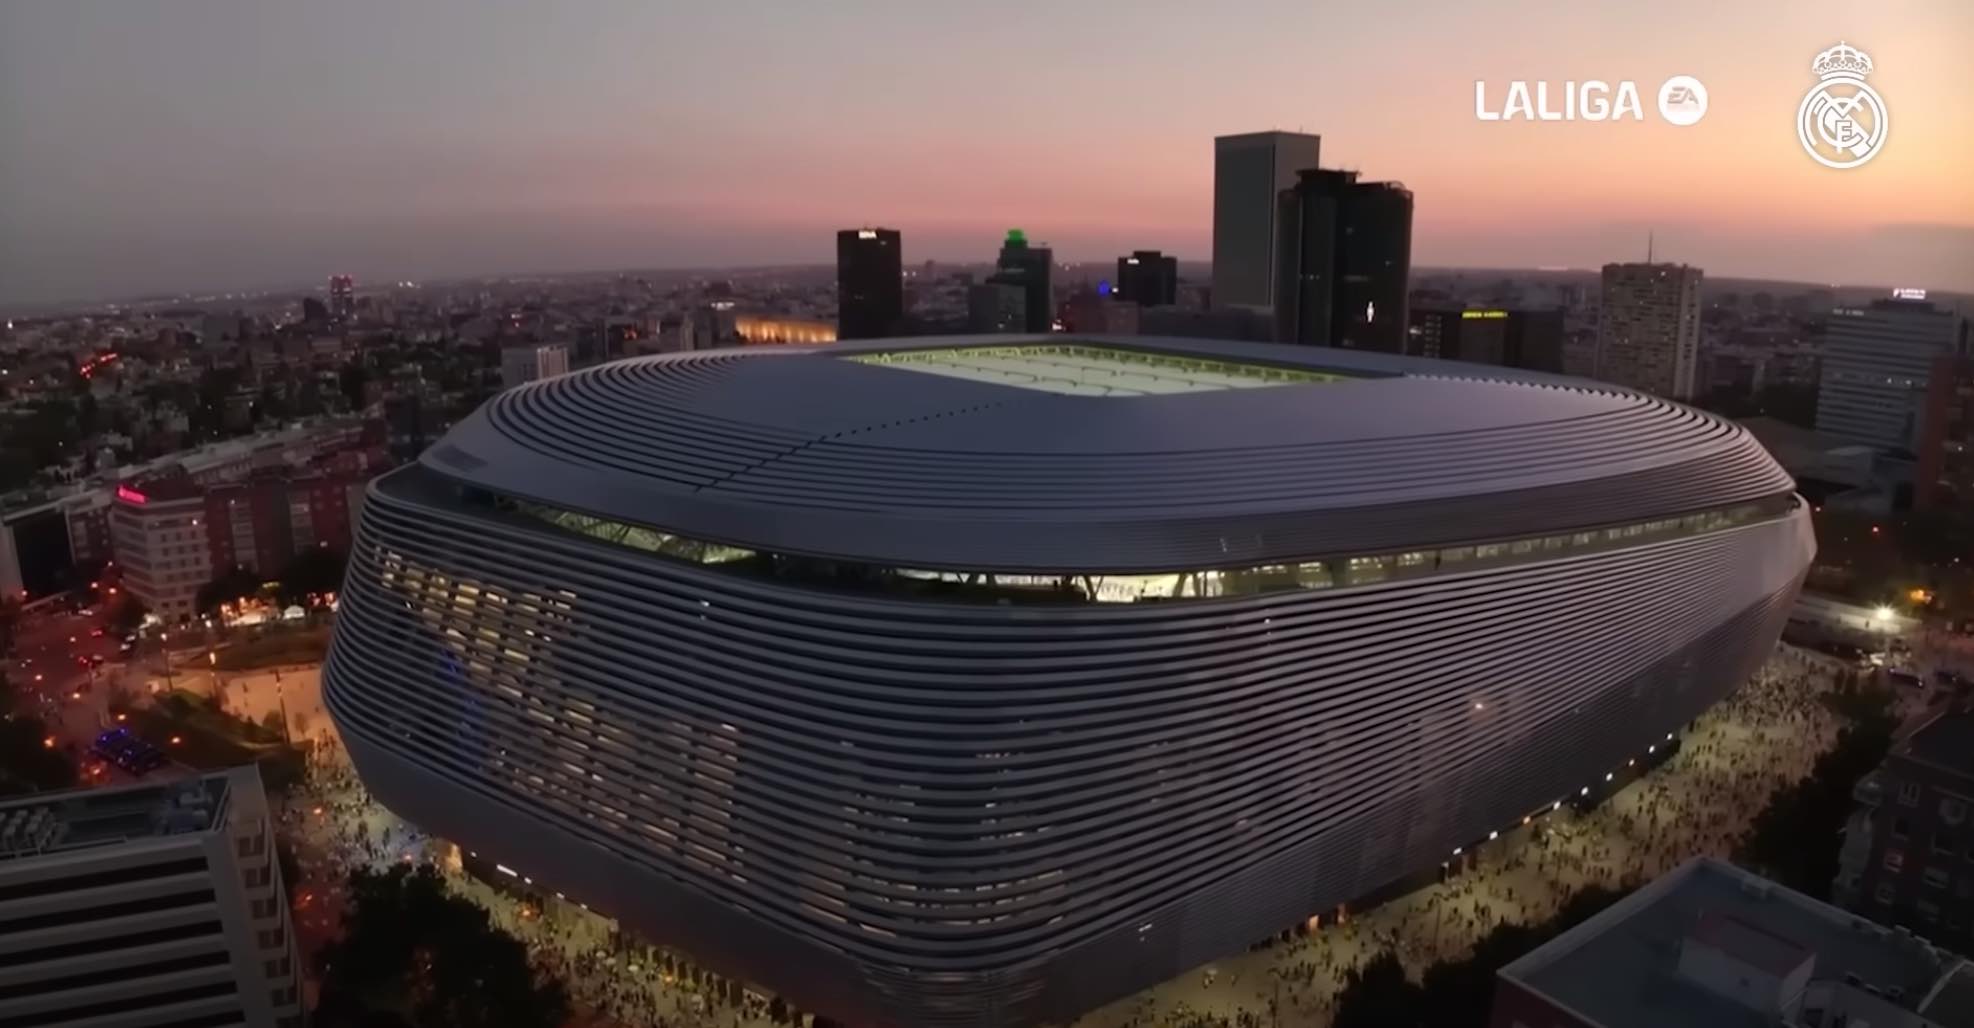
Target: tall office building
(1528, 339)
(149, 904)
(1648, 332)
(1030, 268)
(1944, 479)
(1148, 278)
(1876, 363)
(870, 283)
(1344, 258)
(1249, 172)
(342, 296)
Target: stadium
(982, 680)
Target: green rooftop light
(1016, 235)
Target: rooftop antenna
(1648, 246)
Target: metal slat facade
(902, 811)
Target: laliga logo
(1682, 101)
(1842, 121)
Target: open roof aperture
(1078, 369)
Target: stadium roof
(1076, 453)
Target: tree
(318, 569)
(413, 949)
(1797, 838)
(1379, 995)
(1460, 993)
(1455, 993)
(27, 762)
(235, 583)
(127, 615)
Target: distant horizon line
(44, 308)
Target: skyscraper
(1876, 364)
(1030, 268)
(1148, 278)
(1648, 331)
(1249, 172)
(1344, 255)
(870, 287)
(342, 296)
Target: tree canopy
(1453, 993)
(127, 615)
(412, 953)
(232, 584)
(1797, 838)
(27, 764)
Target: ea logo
(1842, 121)
(1682, 100)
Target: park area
(275, 647)
(192, 730)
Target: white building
(1709, 945)
(152, 904)
(160, 537)
(520, 364)
(1876, 361)
(1648, 331)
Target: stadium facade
(983, 680)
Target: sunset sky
(211, 144)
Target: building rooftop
(47, 823)
(1621, 968)
(1952, 1000)
(1946, 742)
(1750, 943)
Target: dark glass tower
(1029, 267)
(1527, 339)
(1346, 252)
(1148, 278)
(870, 285)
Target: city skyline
(449, 141)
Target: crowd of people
(1698, 801)
(613, 979)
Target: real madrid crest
(1842, 120)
